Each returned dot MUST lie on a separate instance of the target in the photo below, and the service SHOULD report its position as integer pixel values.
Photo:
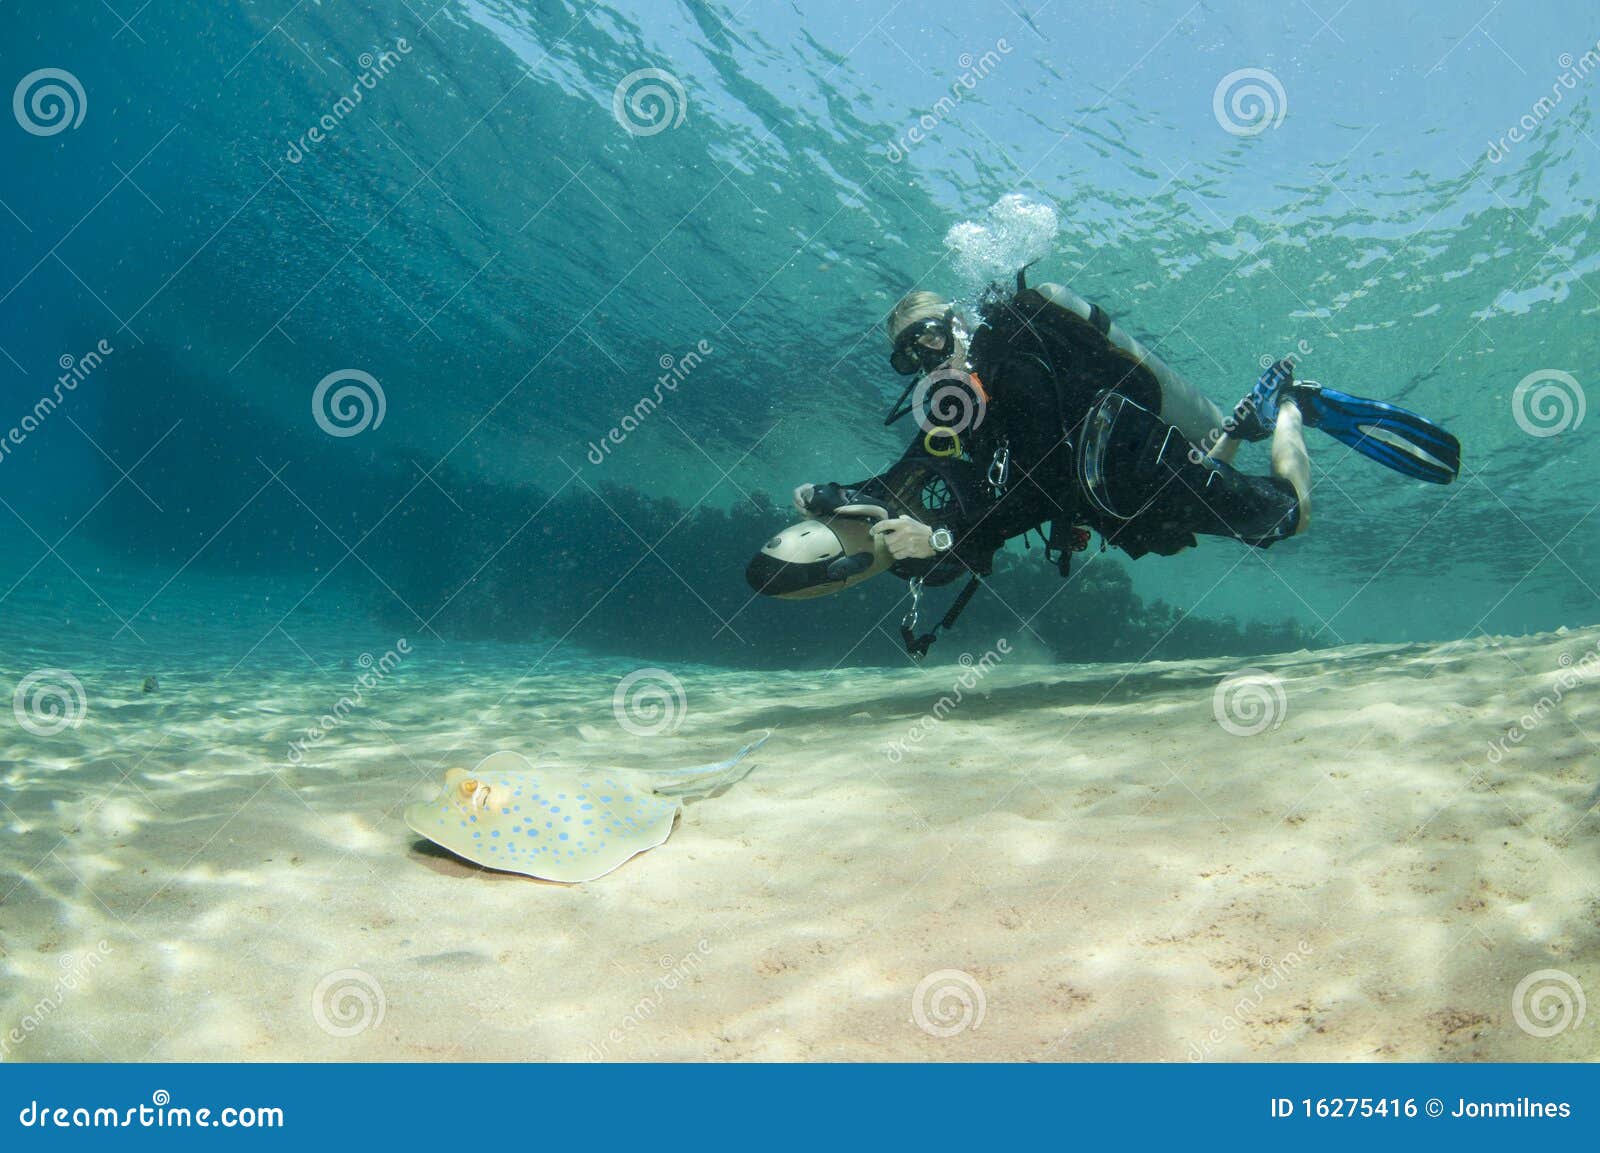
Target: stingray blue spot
(505, 812)
(561, 796)
(563, 836)
(494, 833)
(549, 824)
(586, 807)
(555, 808)
(588, 822)
(607, 800)
(533, 832)
(475, 836)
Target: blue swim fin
(1397, 437)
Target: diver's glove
(906, 539)
(817, 500)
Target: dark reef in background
(605, 569)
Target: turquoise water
(323, 328)
(484, 235)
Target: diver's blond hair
(914, 306)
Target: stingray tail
(699, 780)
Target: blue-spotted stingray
(561, 824)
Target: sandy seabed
(1074, 863)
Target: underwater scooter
(835, 549)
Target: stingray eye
(480, 797)
(469, 789)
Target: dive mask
(923, 346)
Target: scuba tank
(1158, 388)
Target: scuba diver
(1049, 418)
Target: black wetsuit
(1045, 372)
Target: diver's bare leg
(1225, 450)
(1290, 459)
